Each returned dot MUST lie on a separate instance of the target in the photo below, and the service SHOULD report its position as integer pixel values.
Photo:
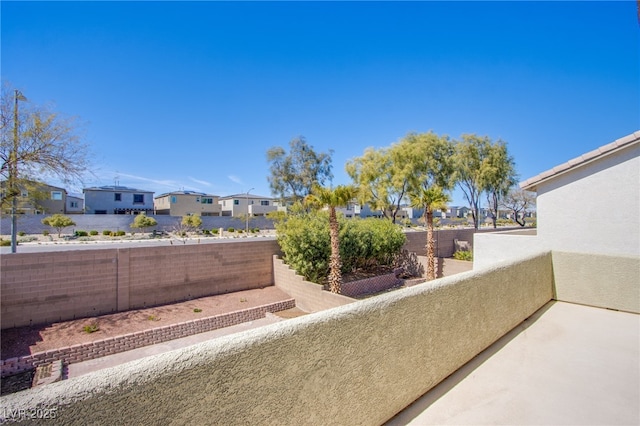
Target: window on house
(207, 200)
(236, 202)
(56, 195)
(74, 204)
(264, 203)
(197, 199)
(117, 196)
(138, 198)
(173, 199)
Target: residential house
(186, 203)
(607, 176)
(242, 204)
(117, 200)
(75, 204)
(37, 198)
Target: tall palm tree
(333, 198)
(431, 198)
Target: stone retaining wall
(127, 342)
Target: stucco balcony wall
(355, 364)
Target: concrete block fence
(87, 351)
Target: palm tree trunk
(335, 264)
(431, 246)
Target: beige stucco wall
(355, 364)
(593, 209)
(604, 281)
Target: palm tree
(431, 198)
(333, 198)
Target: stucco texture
(611, 282)
(357, 364)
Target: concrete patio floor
(567, 364)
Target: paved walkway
(567, 364)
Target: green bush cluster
(215, 231)
(93, 232)
(5, 243)
(22, 233)
(106, 233)
(463, 255)
(364, 243)
(81, 234)
(231, 229)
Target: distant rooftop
(531, 183)
(185, 193)
(244, 195)
(114, 188)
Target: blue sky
(192, 94)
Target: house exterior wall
(180, 204)
(239, 205)
(102, 200)
(75, 205)
(593, 209)
(38, 198)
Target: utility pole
(13, 173)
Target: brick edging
(113, 345)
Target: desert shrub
(22, 233)
(463, 255)
(106, 233)
(93, 232)
(5, 243)
(121, 233)
(255, 230)
(143, 221)
(81, 234)
(58, 222)
(230, 229)
(240, 231)
(215, 231)
(191, 221)
(45, 233)
(206, 232)
(364, 243)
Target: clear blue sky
(192, 95)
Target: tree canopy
(483, 166)
(293, 174)
(48, 144)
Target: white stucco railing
(355, 364)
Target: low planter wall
(127, 342)
(310, 297)
(372, 285)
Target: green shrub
(106, 233)
(81, 234)
(364, 243)
(240, 231)
(206, 232)
(255, 230)
(230, 229)
(121, 233)
(215, 231)
(5, 243)
(463, 255)
(93, 232)
(45, 233)
(22, 233)
(91, 328)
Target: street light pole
(246, 226)
(13, 173)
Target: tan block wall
(310, 297)
(417, 240)
(357, 364)
(43, 287)
(38, 288)
(611, 282)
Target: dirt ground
(20, 341)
